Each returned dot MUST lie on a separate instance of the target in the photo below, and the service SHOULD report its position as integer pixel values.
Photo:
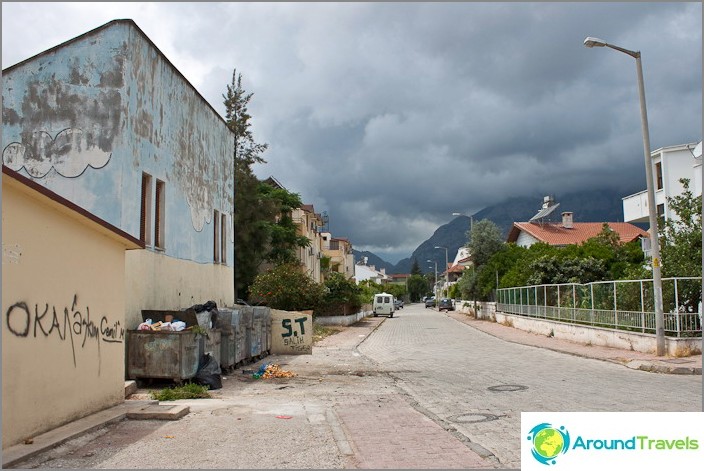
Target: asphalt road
(421, 390)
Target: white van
(383, 304)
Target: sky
(392, 116)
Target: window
(661, 210)
(658, 176)
(223, 238)
(160, 216)
(145, 224)
(216, 236)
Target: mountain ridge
(601, 205)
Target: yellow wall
(63, 315)
(155, 281)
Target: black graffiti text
(70, 324)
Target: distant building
(364, 272)
(670, 164)
(568, 232)
(339, 251)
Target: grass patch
(187, 391)
(322, 331)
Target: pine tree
(250, 230)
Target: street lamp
(447, 272)
(435, 286)
(652, 208)
(471, 220)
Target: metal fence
(623, 304)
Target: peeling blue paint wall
(88, 117)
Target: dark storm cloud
(391, 116)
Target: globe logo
(548, 442)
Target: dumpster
(256, 335)
(166, 354)
(240, 336)
(262, 323)
(227, 339)
(247, 325)
(162, 355)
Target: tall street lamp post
(435, 286)
(471, 220)
(652, 208)
(447, 273)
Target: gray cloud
(391, 116)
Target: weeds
(187, 391)
(322, 331)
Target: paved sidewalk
(629, 358)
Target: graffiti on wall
(70, 153)
(71, 325)
(291, 333)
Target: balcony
(635, 206)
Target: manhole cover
(507, 388)
(473, 418)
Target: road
(421, 390)
(477, 384)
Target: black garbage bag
(208, 372)
(209, 306)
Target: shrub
(287, 288)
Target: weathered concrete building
(107, 122)
(105, 147)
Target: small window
(145, 228)
(160, 216)
(223, 238)
(658, 175)
(661, 210)
(216, 236)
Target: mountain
(604, 205)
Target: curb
(18, 453)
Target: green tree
(681, 237)
(341, 296)
(282, 232)
(485, 241)
(681, 245)
(415, 269)
(287, 288)
(250, 246)
(417, 287)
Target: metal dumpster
(256, 334)
(247, 325)
(240, 336)
(162, 355)
(168, 354)
(262, 323)
(228, 338)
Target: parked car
(398, 304)
(430, 302)
(446, 305)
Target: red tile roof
(456, 269)
(556, 234)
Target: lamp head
(594, 42)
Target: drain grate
(507, 388)
(473, 418)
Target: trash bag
(208, 373)
(209, 306)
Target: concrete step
(130, 388)
(158, 412)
